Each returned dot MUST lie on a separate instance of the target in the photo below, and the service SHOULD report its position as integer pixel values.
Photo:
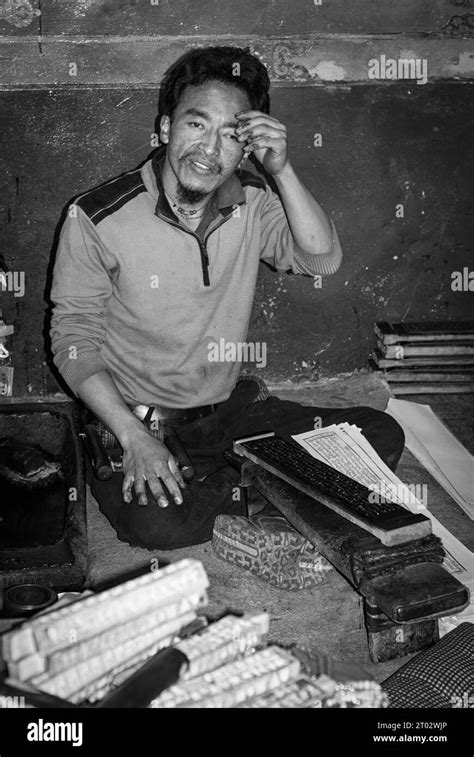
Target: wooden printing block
(408, 594)
(388, 640)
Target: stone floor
(327, 618)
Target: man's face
(203, 150)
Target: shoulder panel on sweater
(249, 179)
(106, 199)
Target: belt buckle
(141, 411)
(116, 462)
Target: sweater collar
(226, 197)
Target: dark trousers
(205, 440)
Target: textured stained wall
(384, 144)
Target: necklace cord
(182, 211)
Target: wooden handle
(156, 675)
(173, 442)
(97, 455)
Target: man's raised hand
(266, 137)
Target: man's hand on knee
(148, 461)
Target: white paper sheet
(437, 449)
(345, 448)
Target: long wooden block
(38, 663)
(401, 351)
(432, 388)
(70, 683)
(300, 693)
(222, 641)
(407, 594)
(441, 376)
(225, 640)
(424, 331)
(95, 613)
(406, 526)
(233, 683)
(421, 362)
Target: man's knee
(183, 525)
(150, 530)
(382, 420)
(384, 433)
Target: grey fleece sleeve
(280, 250)
(81, 289)
(323, 264)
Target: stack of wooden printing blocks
(89, 652)
(79, 651)
(225, 670)
(429, 357)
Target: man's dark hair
(230, 65)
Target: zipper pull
(205, 264)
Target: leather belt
(150, 413)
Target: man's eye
(195, 123)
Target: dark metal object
(388, 640)
(175, 446)
(137, 691)
(105, 461)
(96, 452)
(27, 599)
(417, 592)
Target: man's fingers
(247, 137)
(157, 490)
(127, 487)
(167, 475)
(140, 490)
(257, 126)
(157, 468)
(164, 473)
(263, 125)
(260, 143)
(173, 489)
(246, 115)
(176, 471)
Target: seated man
(157, 266)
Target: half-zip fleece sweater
(139, 294)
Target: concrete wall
(384, 144)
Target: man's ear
(165, 124)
